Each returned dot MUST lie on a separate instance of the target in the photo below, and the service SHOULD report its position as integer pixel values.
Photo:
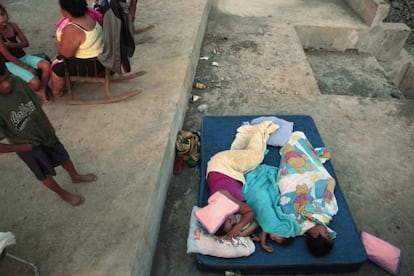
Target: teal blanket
(262, 194)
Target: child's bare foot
(46, 101)
(44, 98)
(73, 200)
(84, 178)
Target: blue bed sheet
(348, 253)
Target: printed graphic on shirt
(21, 117)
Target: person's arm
(249, 230)
(9, 57)
(22, 40)
(72, 38)
(6, 148)
(265, 247)
(245, 211)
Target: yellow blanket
(246, 151)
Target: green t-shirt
(21, 119)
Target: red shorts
(218, 181)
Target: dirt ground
(378, 196)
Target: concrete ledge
(384, 41)
(373, 12)
(147, 244)
(396, 69)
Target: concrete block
(329, 38)
(407, 83)
(386, 41)
(395, 70)
(373, 12)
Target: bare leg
(75, 176)
(132, 10)
(72, 199)
(44, 66)
(57, 85)
(36, 86)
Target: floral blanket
(306, 187)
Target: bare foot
(84, 178)
(73, 200)
(44, 98)
(47, 101)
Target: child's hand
(6, 42)
(234, 232)
(267, 248)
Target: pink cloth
(218, 181)
(382, 253)
(92, 13)
(213, 215)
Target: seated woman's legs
(76, 67)
(58, 83)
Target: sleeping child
(226, 169)
(307, 192)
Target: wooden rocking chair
(92, 75)
(114, 58)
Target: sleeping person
(262, 194)
(237, 224)
(307, 192)
(226, 169)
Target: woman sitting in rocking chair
(80, 40)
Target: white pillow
(200, 241)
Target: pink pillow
(213, 215)
(382, 253)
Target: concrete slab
(353, 74)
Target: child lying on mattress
(226, 169)
(307, 192)
(238, 224)
(262, 194)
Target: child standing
(31, 135)
(12, 42)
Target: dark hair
(3, 67)
(3, 8)
(77, 8)
(220, 231)
(318, 246)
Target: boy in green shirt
(31, 135)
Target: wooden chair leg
(108, 84)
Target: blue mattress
(348, 253)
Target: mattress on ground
(348, 252)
